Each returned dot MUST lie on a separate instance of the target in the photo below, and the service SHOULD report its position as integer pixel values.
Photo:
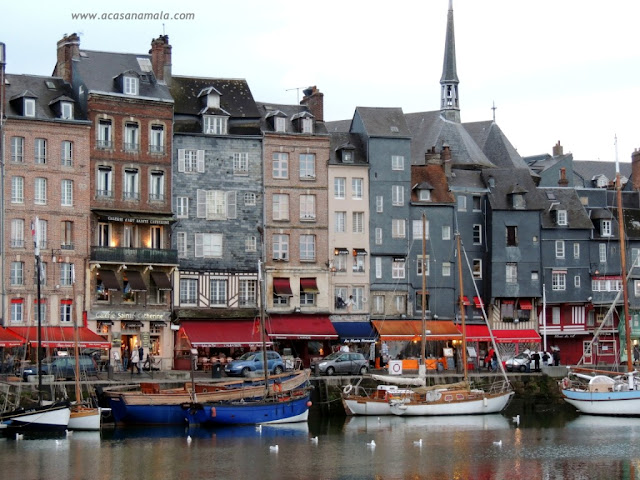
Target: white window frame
(397, 162)
(576, 281)
(131, 137)
(209, 245)
(398, 228)
(378, 236)
(378, 304)
(339, 188)
(188, 291)
(606, 228)
(280, 124)
(250, 199)
(561, 216)
(181, 244)
(214, 125)
(17, 310)
(190, 160)
(105, 133)
(446, 269)
(476, 267)
(356, 188)
(602, 252)
(66, 153)
(340, 222)
(477, 234)
(247, 293)
(307, 125)
(156, 138)
(29, 107)
(558, 281)
(40, 151)
(251, 243)
(511, 273)
(462, 203)
(397, 195)
(240, 163)
(424, 195)
(65, 313)
(378, 264)
(420, 263)
(17, 233)
(131, 186)
(307, 248)
(307, 207)
(105, 181)
(379, 204)
(280, 168)
(17, 189)
(17, 149)
(130, 85)
(559, 248)
(576, 250)
(40, 191)
(66, 195)
(182, 207)
(156, 185)
(446, 232)
(307, 166)
(280, 206)
(66, 274)
(398, 270)
(218, 292)
(357, 222)
(280, 247)
(417, 230)
(16, 276)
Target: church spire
(449, 100)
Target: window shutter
(200, 160)
(231, 204)
(199, 245)
(181, 159)
(201, 204)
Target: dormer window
(307, 125)
(66, 110)
(518, 201)
(605, 228)
(561, 217)
(215, 125)
(347, 156)
(425, 195)
(29, 107)
(130, 85)
(279, 124)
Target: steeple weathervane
(450, 101)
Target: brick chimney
(445, 156)
(314, 100)
(161, 58)
(558, 150)
(563, 182)
(68, 50)
(635, 169)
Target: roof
(291, 113)
(235, 95)
(586, 170)
(503, 181)
(383, 122)
(494, 144)
(565, 199)
(431, 177)
(351, 141)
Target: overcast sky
(557, 70)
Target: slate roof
(339, 139)
(585, 170)
(567, 199)
(45, 97)
(470, 180)
(425, 176)
(338, 126)
(494, 144)
(384, 122)
(290, 111)
(509, 179)
(632, 223)
(97, 70)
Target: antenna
(297, 89)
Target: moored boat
(54, 417)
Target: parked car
(342, 363)
(519, 363)
(63, 367)
(252, 362)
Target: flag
(35, 232)
(256, 326)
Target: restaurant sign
(140, 316)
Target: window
(181, 244)
(43, 274)
(280, 165)
(397, 162)
(477, 234)
(17, 233)
(130, 85)
(340, 221)
(561, 216)
(156, 237)
(104, 134)
(66, 154)
(16, 310)
(512, 236)
(378, 263)
(417, 230)
(462, 203)
(66, 274)
(602, 251)
(511, 273)
(446, 269)
(397, 228)
(66, 196)
(306, 298)
(130, 189)
(397, 195)
(218, 292)
(17, 149)
(378, 236)
(240, 163)
(307, 207)
(420, 264)
(358, 263)
(378, 304)
(358, 298)
(208, 245)
(476, 199)
(477, 268)
(250, 199)
(340, 297)
(104, 235)
(356, 188)
(636, 288)
(40, 196)
(576, 281)
(40, 151)
(182, 207)
(340, 261)
(379, 203)
(156, 186)
(281, 247)
(247, 293)
(40, 312)
(66, 235)
(605, 228)
(281, 300)
(280, 206)
(41, 233)
(105, 188)
(188, 291)
(250, 243)
(156, 139)
(576, 251)
(559, 248)
(29, 107)
(307, 166)
(518, 201)
(66, 110)
(419, 301)
(280, 124)
(17, 273)
(446, 232)
(131, 138)
(400, 303)
(130, 236)
(397, 269)
(358, 222)
(307, 125)
(190, 161)
(424, 195)
(65, 311)
(558, 281)
(17, 189)
(307, 248)
(347, 156)
(339, 187)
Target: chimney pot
(314, 100)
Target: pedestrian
(125, 358)
(490, 359)
(135, 359)
(140, 358)
(556, 356)
(545, 359)
(636, 354)
(384, 351)
(494, 362)
(536, 361)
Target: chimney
(68, 50)
(563, 182)
(161, 58)
(558, 150)
(445, 155)
(314, 100)
(635, 169)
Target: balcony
(133, 255)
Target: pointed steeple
(449, 99)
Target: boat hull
(479, 404)
(46, 418)
(251, 413)
(86, 419)
(366, 406)
(621, 403)
(146, 414)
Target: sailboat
(601, 392)
(274, 405)
(45, 415)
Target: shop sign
(146, 339)
(140, 316)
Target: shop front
(510, 342)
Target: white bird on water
(498, 443)
(69, 432)
(417, 443)
(314, 440)
(273, 448)
(258, 428)
(189, 439)
(371, 444)
(516, 419)
(19, 436)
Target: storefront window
(102, 294)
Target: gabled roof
(235, 96)
(564, 199)
(350, 141)
(513, 180)
(494, 144)
(46, 91)
(383, 122)
(585, 171)
(290, 112)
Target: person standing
(140, 358)
(384, 351)
(125, 358)
(135, 359)
(536, 361)
(556, 356)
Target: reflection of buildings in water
(427, 424)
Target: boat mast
(36, 238)
(461, 303)
(76, 339)
(623, 264)
(423, 349)
(264, 342)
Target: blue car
(252, 362)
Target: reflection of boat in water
(368, 423)
(300, 429)
(604, 422)
(436, 423)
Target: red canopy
(301, 327)
(61, 337)
(480, 333)
(223, 333)
(9, 339)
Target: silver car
(342, 363)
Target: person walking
(140, 358)
(125, 358)
(135, 359)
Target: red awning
(9, 338)
(281, 287)
(223, 333)
(301, 327)
(465, 301)
(525, 305)
(480, 333)
(411, 330)
(508, 302)
(308, 285)
(61, 337)
(477, 301)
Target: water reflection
(476, 447)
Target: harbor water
(550, 443)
